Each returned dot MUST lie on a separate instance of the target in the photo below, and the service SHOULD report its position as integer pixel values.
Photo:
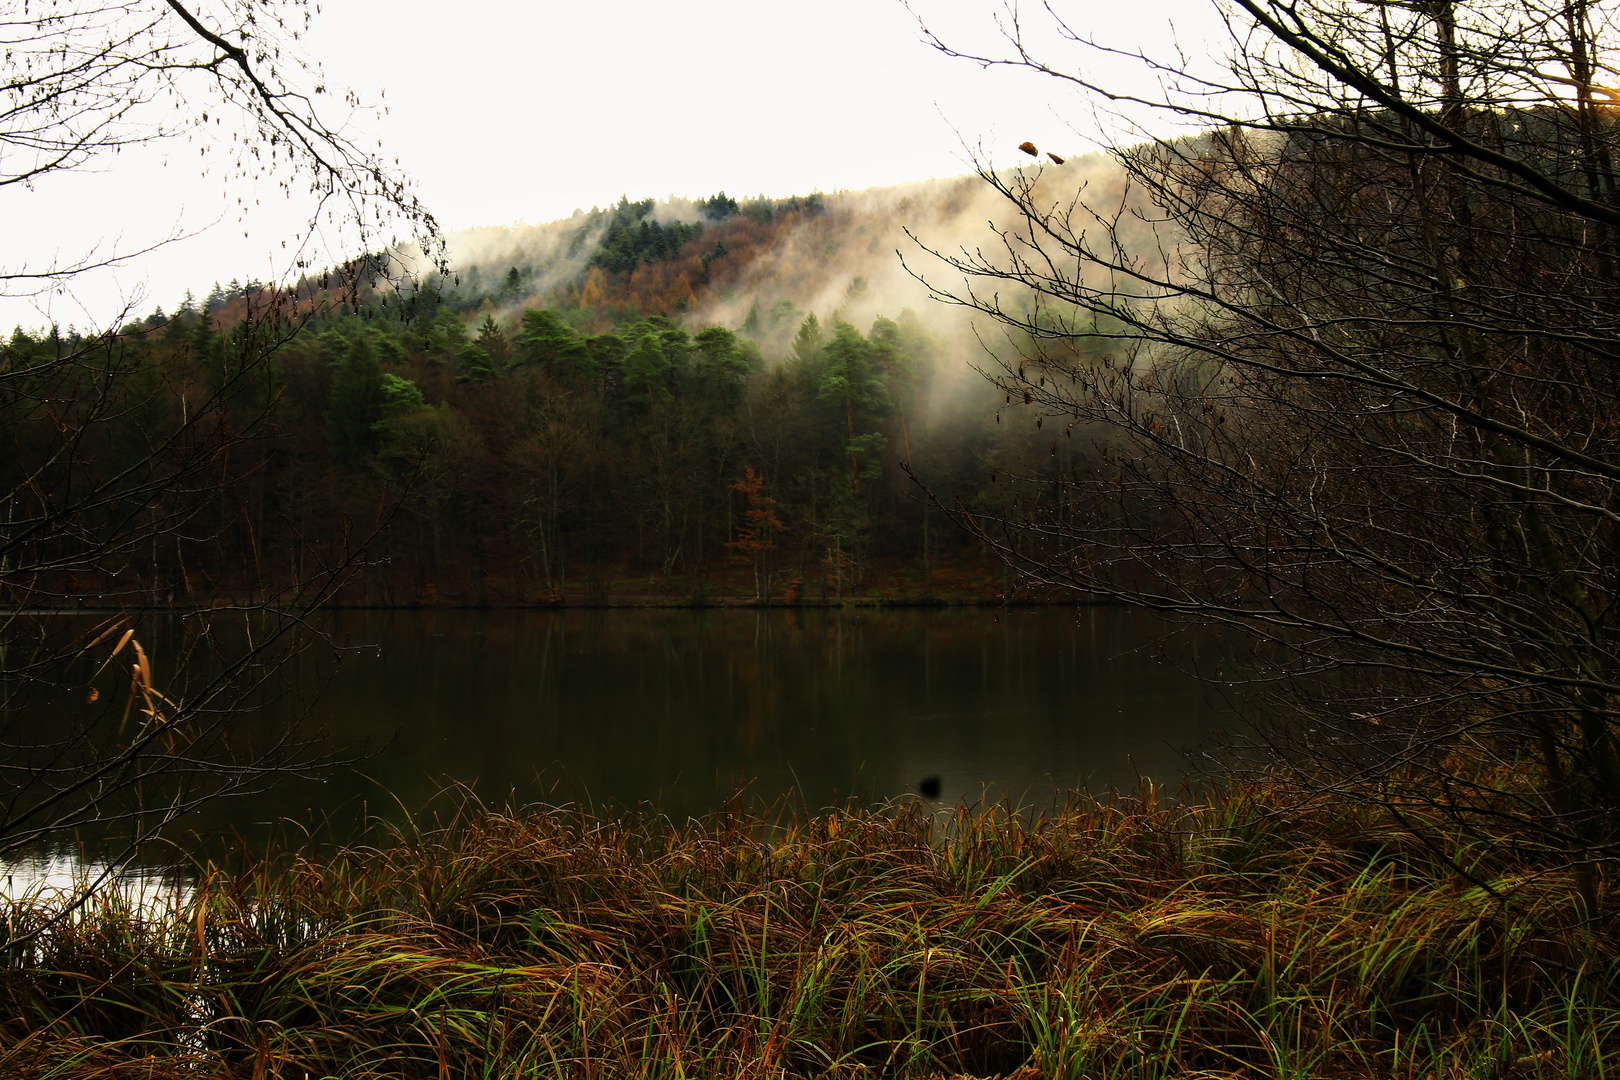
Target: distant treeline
(514, 455)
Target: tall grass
(1255, 935)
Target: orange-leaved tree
(755, 539)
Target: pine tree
(493, 341)
(850, 378)
(356, 404)
(807, 342)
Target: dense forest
(634, 407)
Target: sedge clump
(1262, 933)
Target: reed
(1259, 934)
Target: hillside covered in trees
(685, 399)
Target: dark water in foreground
(679, 708)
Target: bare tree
(1343, 361)
(121, 454)
(120, 449)
(87, 78)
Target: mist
(846, 255)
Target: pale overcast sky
(509, 112)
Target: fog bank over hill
(700, 397)
(759, 266)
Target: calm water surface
(679, 709)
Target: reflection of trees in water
(677, 706)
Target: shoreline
(1263, 932)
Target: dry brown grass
(1257, 936)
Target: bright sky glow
(509, 112)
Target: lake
(679, 709)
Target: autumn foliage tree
(755, 539)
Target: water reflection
(678, 708)
(49, 879)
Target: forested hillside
(695, 399)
